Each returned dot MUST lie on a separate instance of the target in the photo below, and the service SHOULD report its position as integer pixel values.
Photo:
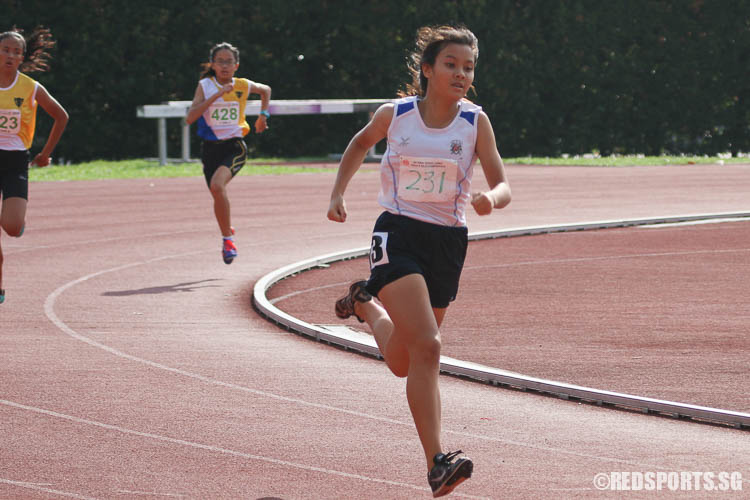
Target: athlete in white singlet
(219, 109)
(419, 243)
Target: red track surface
(133, 365)
(653, 312)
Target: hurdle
(178, 109)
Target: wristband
(265, 113)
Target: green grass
(139, 169)
(627, 161)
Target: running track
(135, 367)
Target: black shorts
(14, 174)
(230, 153)
(402, 246)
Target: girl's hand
(337, 209)
(261, 124)
(40, 160)
(482, 203)
(226, 88)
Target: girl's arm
(58, 113)
(201, 104)
(371, 134)
(264, 91)
(494, 171)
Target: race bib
(224, 113)
(10, 121)
(427, 179)
(378, 250)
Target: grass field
(133, 169)
(139, 169)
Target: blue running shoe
(229, 251)
(2, 296)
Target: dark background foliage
(638, 76)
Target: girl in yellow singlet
(219, 108)
(19, 96)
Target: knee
(427, 349)
(14, 230)
(217, 189)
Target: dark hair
(35, 48)
(430, 41)
(206, 68)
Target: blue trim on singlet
(458, 195)
(393, 175)
(469, 116)
(204, 131)
(404, 107)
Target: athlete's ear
(427, 70)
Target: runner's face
(11, 54)
(453, 71)
(224, 64)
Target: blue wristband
(265, 113)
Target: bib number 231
(427, 179)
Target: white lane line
(49, 311)
(535, 262)
(150, 494)
(215, 449)
(307, 290)
(52, 316)
(36, 487)
(609, 257)
(696, 222)
(20, 247)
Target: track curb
(349, 339)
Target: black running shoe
(445, 475)
(345, 305)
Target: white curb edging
(349, 339)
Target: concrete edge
(349, 339)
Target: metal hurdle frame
(179, 109)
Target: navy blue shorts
(230, 153)
(14, 174)
(402, 246)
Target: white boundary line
(201, 446)
(326, 336)
(352, 340)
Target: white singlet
(426, 173)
